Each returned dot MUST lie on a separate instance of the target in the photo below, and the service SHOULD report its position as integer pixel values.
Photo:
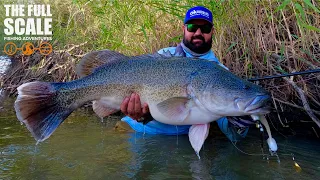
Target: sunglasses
(206, 28)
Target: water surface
(85, 148)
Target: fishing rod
(284, 75)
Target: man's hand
(131, 106)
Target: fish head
(228, 95)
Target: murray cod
(178, 90)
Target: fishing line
(245, 152)
(262, 154)
(297, 166)
(261, 137)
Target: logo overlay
(199, 12)
(27, 23)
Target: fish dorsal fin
(154, 55)
(95, 59)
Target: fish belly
(195, 115)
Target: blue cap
(198, 12)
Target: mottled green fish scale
(155, 79)
(130, 76)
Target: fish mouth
(260, 110)
(257, 105)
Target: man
(197, 42)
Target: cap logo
(199, 12)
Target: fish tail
(38, 107)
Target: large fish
(178, 90)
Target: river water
(83, 147)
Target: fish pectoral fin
(175, 108)
(95, 59)
(102, 109)
(198, 133)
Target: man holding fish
(185, 90)
(197, 42)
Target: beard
(203, 48)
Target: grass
(252, 38)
